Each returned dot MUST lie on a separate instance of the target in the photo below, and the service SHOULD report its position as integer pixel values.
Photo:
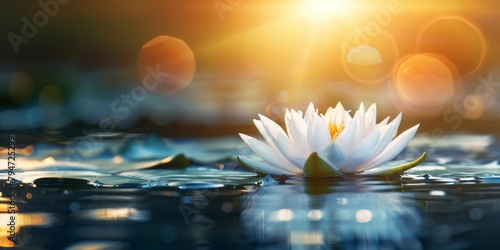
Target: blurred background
(208, 67)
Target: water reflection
(113, 214)
(451, 201)
(290, 216)
(14, 227)
(345, 214)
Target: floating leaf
(177, 162)
(63, 183)
(397, 170)
(317, 167)
(196, 175)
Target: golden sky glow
(343, 50)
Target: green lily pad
(62, 183)
(177, 162)
(317, 167)
(399, 169)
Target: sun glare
(325, 8)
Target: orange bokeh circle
(385, 45)
(425, 83)
(456, 38)
(166, 64)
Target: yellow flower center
(335, 130)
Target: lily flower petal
(263, 132)
(394, 148)
(269, 154)
(309, 111)
(383, 122)
(360, 153)
(371, 118)
(297, 130)
(346, 137)
(283, 143)
(387, 134)
(318, 135)
(315, 144)
(263, 166)
(333, 155)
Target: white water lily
(329, 145)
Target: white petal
(361, 109)
(329, 114)
(383, 122)
(371, 117)
(341, 116)
(346, 119)
(263, 132)
(283, 143)
(283, 151)
(345, 138)
(318, 135)
(387, 134)
(264, 167)
(269, 154)
(340, 107)
(394, 125)
(361, 153)
(360, 116)
(309, 111)
(297, 130)
(394, 148)
(333, 155)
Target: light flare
(166, 64)
(364, 216)
(323, 9)
(448, 36)
(425, 84)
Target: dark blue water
(146, 192)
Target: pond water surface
(146, 192)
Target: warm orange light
(113, 214)
(117, 160)
(166, 64)
(10, 224)
(321, 9)
(28, 150)
(49, 160)
(425, 83)
(473, 107)
(369, 59)
(424, 80)
(276, 51)
(456, 38)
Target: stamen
(335, 130)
